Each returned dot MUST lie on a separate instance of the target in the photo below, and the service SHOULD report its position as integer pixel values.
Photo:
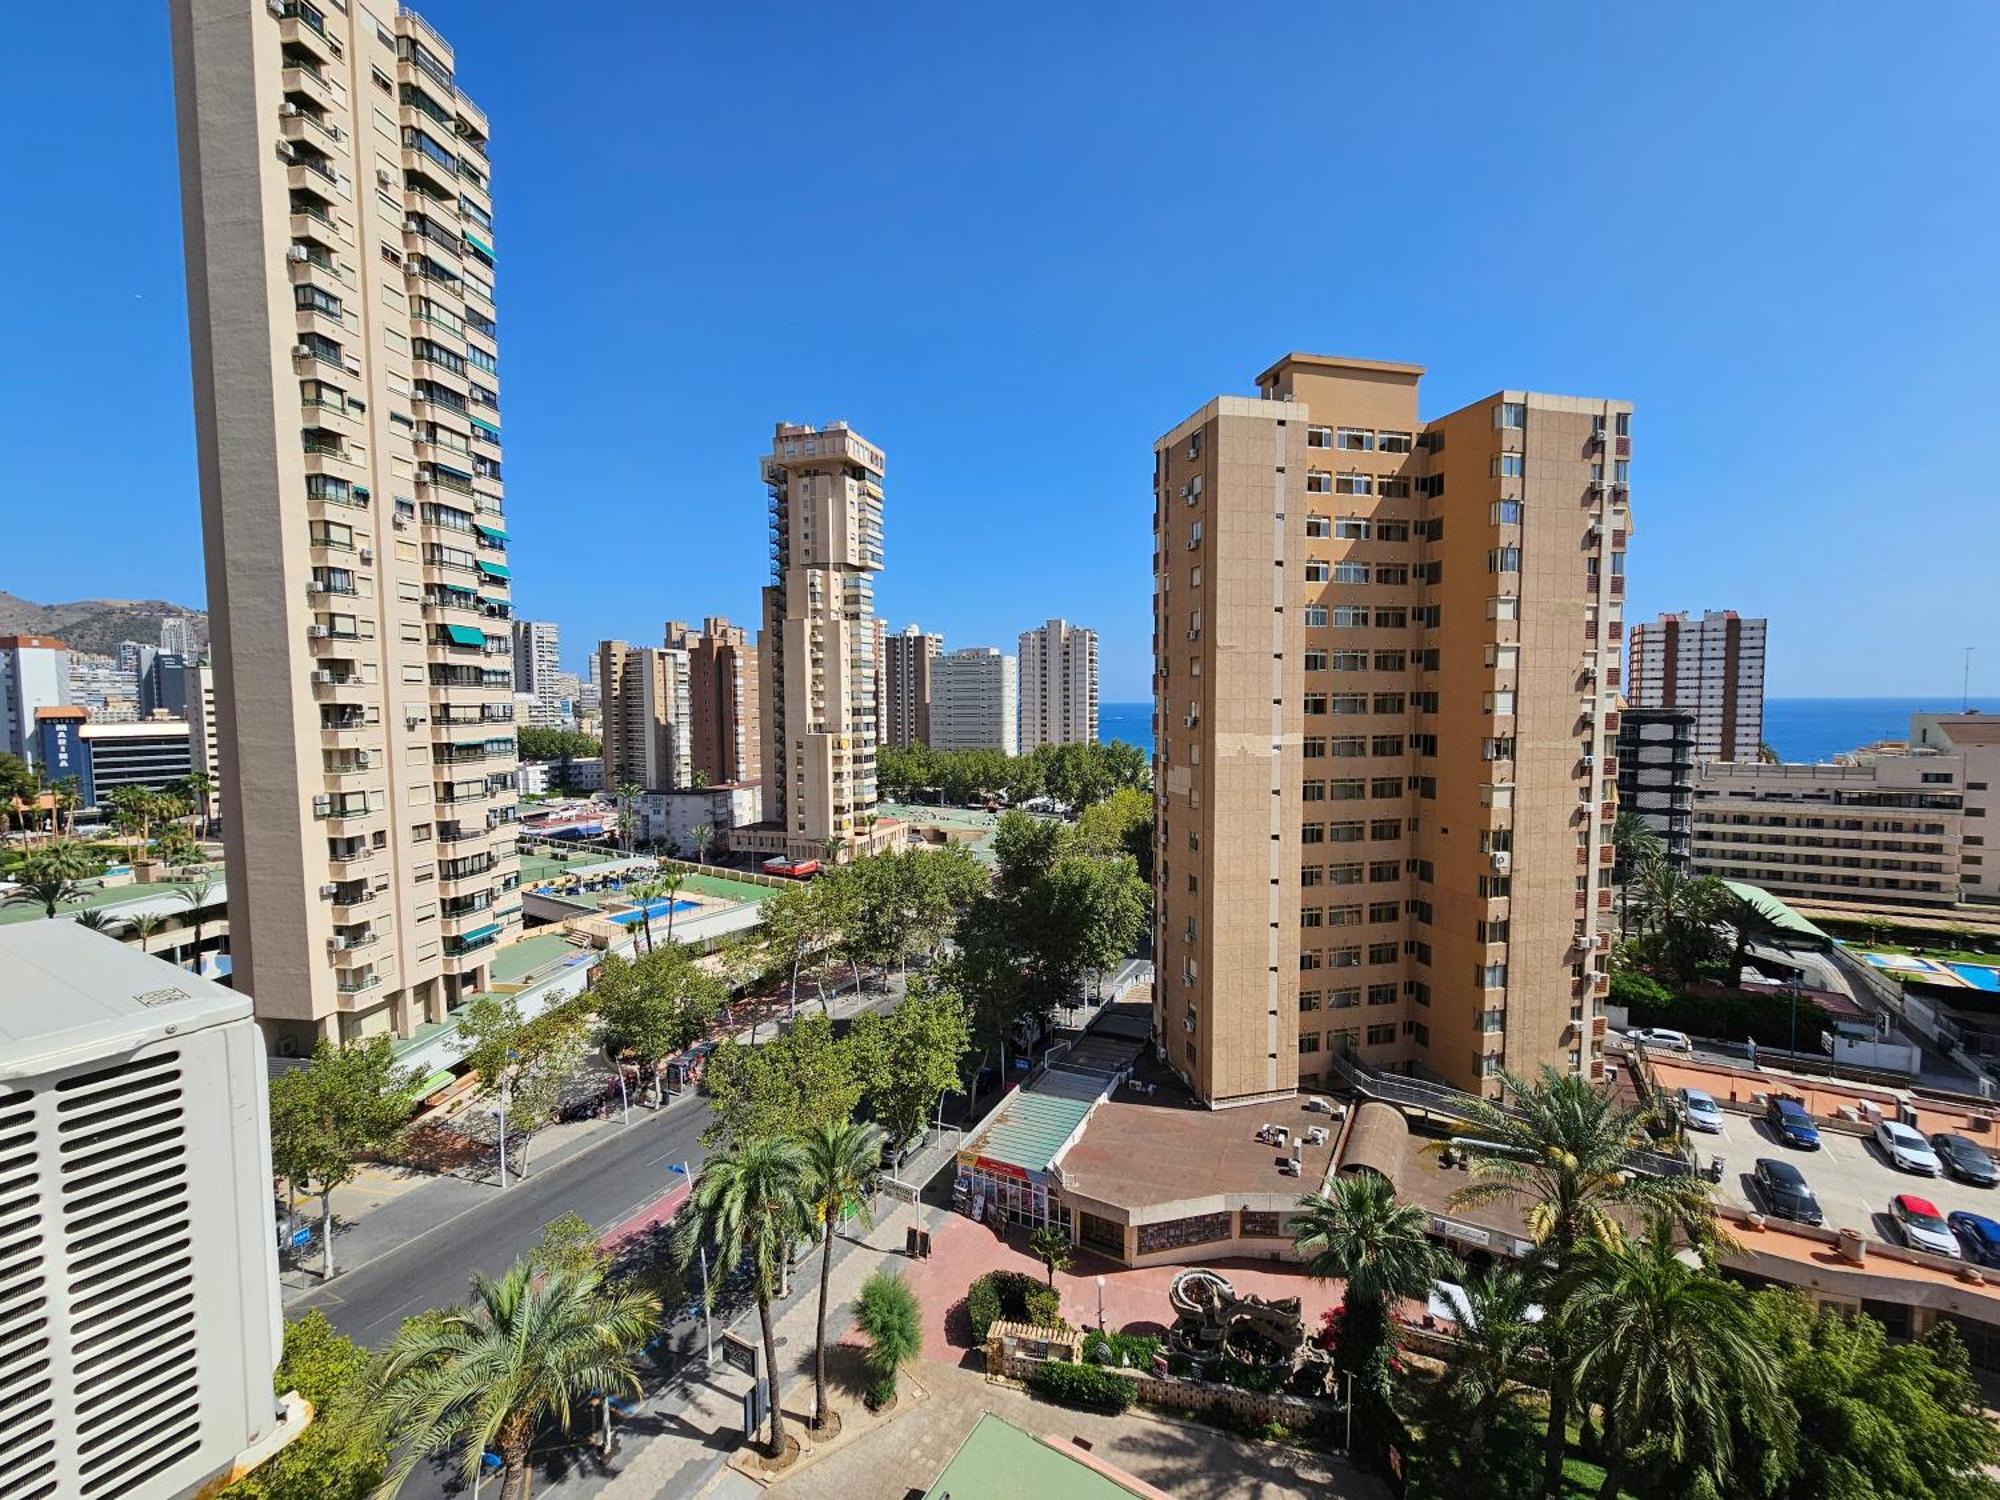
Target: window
(1388, 703)
(1343, 916)
(1348, 791)
(1621, 471)
(1509, 465)
(1386, 828)
(1314, 747)
(1317, 572)
(1308, 1000)
(1350, 617)
(1624, 420)
(1503, 560)
(1312, 791)
(1393, 487)
(1510, 415)
(1350, 703)
(1386, 786)
(1315, 661)
(1393, 442)
(1315, 616)
(1381, 1035)
(1381, 994)
(1392, 531)
(1354, 440)
(1194, 534)
(1351, 529)
(1354, 484)
(1382, 871)
(1350, 661)
(1343, 999)
(1343, 958)
(1347, 572)
(1392, 744)
(1319, 437)
(1499, 703)
(1390, 661)
(1319, 526)
(1392, 619)
(1506, 513)
(1383, 911)
(1345, 875)
(1489, 976)
(1311, 875)
(1345, 833)
(1397, 573)
(1315, 703)
(1310, 917)
(1507, 607)
(1349, 747)
(1319, 482)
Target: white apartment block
(1714, 666)
(34, 673)
(975, 701)
(538, 670)
(1058, 686)
(340, 253)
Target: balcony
(357, 984)
(302, 76)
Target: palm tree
(703, 835)
(196, 896)
(96, 919)
(1668, 1351)
(142, 925)
(68, 792)
(751, 1203)
(200, 788)
(1381, 1248)
(530, 1347)
(670, 883)
(1749, 922)
(1560, 1144)
(840, 1156)
(830, 846)
(1496, 1347)
(628, 811)
(646, 892)
(50, 875)
(1678, 914)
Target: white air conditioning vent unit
(139, 1254)
(384, 176)
(289, 110)
(338, 943)
(1589, 762)
(318, 632)
(323, 679)
(296, 252)
(1590, 674)
(367, 554)
(1502, 861)
(328, 892)
(302, 351)
(401, 522)
(414, 226)
(276, 8)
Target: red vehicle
(792, 869)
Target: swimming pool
(657, 910)
(1979, 976)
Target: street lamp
(1100, 1304)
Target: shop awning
(474, 240)
(466, 635)
(479, 934)
(491, 533)
(494, 570)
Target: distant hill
(95, 625)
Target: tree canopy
(1076, 775)
(539, 742)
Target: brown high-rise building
(722, 696)
(907, 659)
(647, 712)
(337, 204)
(1384, 650)
(1713, 667)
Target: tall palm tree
(1559, 1145)
(670, 883)
(628, 811)
(530, 1347)
(1358, 1231)
(704, 837)
(96, 919)
(830, 846)
(1496, 1348)
(840, 1157)
(196, 896)
(1667, 1350)
(751, 1204)
(142, 925)
(200, 788)
(646, 892)
(1749, 923)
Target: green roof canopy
(493, 533)
(493, 569)
(1782, 917)
(473, 239)
(1030, 1130)
(998, 1460)
(482, 425)
(466, 635)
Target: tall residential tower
(1384, 649)
(340, 255)
(908, 661)
(647, 709)
(1714, 666)
(722, 677)
(537, 666)
(976, 701)
(1058, 686)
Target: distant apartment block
(1715, 666)
(1885, 828)
(1058, 667)
(163, 691)
(975, 701)
(177, 636)
(909, 658)
(1656, 760)
(99, 684)
(34, 675)
(723, 699)
(153, 754)
(817, 673)
(538, 670)
(1384, 783)
(204, 738)
(341, 255)
(647, 731)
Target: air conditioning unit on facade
(296, 252)
(327, 892)
(318, 632)
(367, 554)
(302, 351)
(1503, 861)
(289, 110)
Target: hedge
(1006, 1297)
(1736, 1018)
(1088, 1387)
(1133, 1350)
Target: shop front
(1000, 1191)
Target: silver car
(1906, 1150)
(1699, 1109)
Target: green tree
(1635, 841)
(196, 896)
(568, 1245)
(97, 920)
(523, 1065)
(1669, 1352)
(176, 847)
(142, 925)
(565, 745)
(891, 1321)
(1495, 1351)
(670, 884)
(907, 1059)
(50, 875)
(628, 812)
(794, 929)
(783, 1087)
(1558, 1146)
(1749, 923)
(341, 1454)
(1357, 1231)
(68, 793)
(839, 1157)
(134, 809)
(327, 1117)
(19, 785)
(751, 1205)
(531, 1347)
(1050, 1245)
(704, 840)
(1680, 919)
(655, 1006)
(1121, 824)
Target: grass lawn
(1942, 955)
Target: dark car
(1788, 1118)
(1783, 1188)
(1966, 1160)
(1979, 1235)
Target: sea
(1799, 729)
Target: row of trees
(538, 742)
(1680, 926)
(133, 810)
(1680, 1383)
(1075, 775)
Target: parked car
(1699, 1109)
(1660, 1039)
(1783, 1189)
(1966, 1160)
(1922, 1226)
(1793, 1126)
(1906, 1150)
(1979, 1235)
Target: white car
(1906, 1150)
(1702, 1113)
(1661, 1039)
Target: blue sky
(1014, 244)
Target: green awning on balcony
(477, 242)
(491, 533)
(482, 426)
(480, 934)
(494, 570)
(466, 635)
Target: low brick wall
(1013, 1350)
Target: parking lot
(1847, 1174)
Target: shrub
(1262, 1379)
(1630, 987)
(1045, 1307)
(1084, 1386)
(1004, 1297)
(1133, 1350)
(888, 1315)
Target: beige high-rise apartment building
(1714, 666)
(907, 660)
(976, 701)
(722, 667)
(1384, 650)
(537, 666)
(1058, 685)
(340, 283)
(648, 713)
(818, 672)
